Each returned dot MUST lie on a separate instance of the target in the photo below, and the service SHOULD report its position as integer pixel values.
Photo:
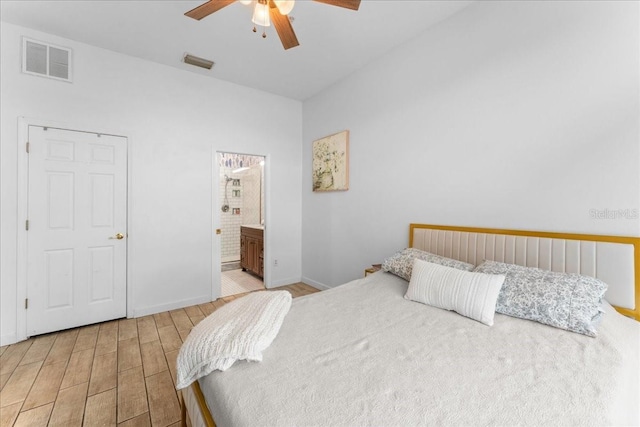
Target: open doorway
(241, 210)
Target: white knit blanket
(240, 330)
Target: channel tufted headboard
(614, 260)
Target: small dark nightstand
(372, 269)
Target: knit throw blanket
(239, 330)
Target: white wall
(519, 115)
(175, 121)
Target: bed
(362, 354)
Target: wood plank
(127, 329)
(207, 308)
(310, 288)
(13, 355)
(79, 369)
(69, 407)
(147, 330)
(37, 417)
(169, 338)
(294, 292)
(218, 303)
(128, 354)
(196, 320)
(184, 333)
(62, 347)
(163, 319)
(132, 394)
(39, 349)
(107, 338)
(104, 373)
(195, 314)
(172, 357)
(300, 287)
(181, 320)
(163, 401)
(3, 349)
(3, 380)
(100, 409)
(86, 338)
(46, 386)
(139, 421)
(19, 384)
(153, 360)
(8, 414)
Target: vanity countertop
(256, 226)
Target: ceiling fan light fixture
(261, 15)
(285, 6)
(246, 2)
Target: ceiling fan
(267, 11)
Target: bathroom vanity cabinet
(252, 249)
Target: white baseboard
(284, 282)
(315, 284)
(145, 311)
(8, 339)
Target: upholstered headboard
(612, 259)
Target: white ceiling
(334, 42)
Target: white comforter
(360, 354)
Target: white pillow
(472, 295)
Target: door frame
(216, 277)
(23, 200)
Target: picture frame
(330, 168)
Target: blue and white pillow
(564, 300)
(401, 263)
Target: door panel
(101, 279)
(102, 195)
(76, 268)
(59, 272)
(60, 200)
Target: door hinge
(27, 147)
(26, 225)
(26, 303)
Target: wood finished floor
(118, 373)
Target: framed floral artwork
(331, 162)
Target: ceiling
(334, 42)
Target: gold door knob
(118, 236)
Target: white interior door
(76, 238)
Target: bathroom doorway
(242, 212)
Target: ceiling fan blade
(283, 27)
(208, 8)
(347, 4)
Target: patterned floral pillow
(563, 300)
(401, 263)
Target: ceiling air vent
(198, 62)
(46, 60)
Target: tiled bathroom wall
(230, 221)
(251, 186)
(244, 195)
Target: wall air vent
(198, 62)
(46, 60)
